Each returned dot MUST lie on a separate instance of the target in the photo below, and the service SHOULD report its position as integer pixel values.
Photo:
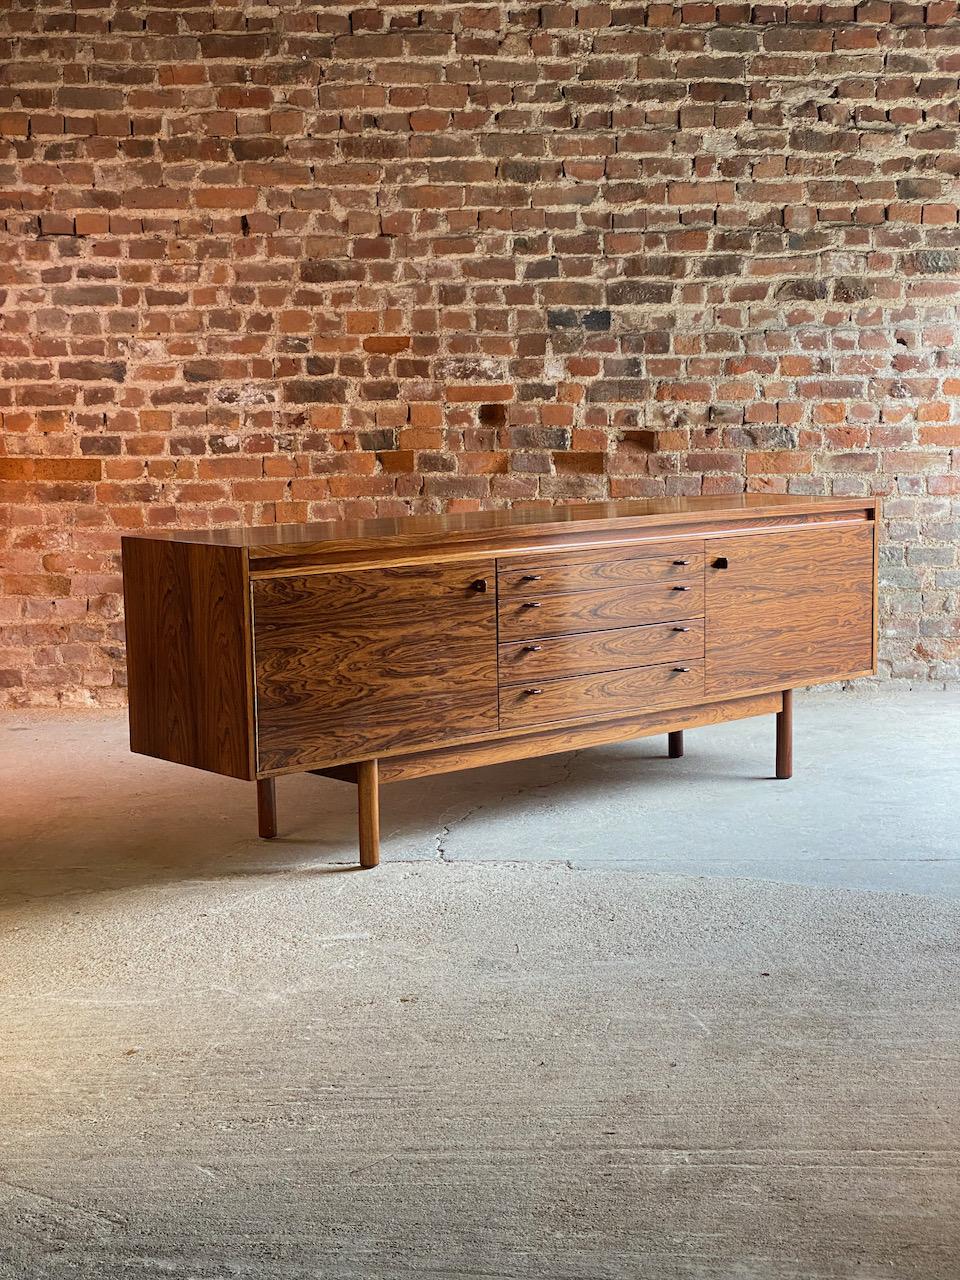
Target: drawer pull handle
(681, 628)
(479, 584)
(532, 648)
(681, 562)
(681, 588)
(531, 604)
(721, 562)
(531, 577)
(681, 668)
(532, 692)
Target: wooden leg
(785, 736)
(368, 805)
(675, 744)
(267, 808)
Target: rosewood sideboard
(384, 649)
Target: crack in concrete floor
(566, 762)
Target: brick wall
(288, 261)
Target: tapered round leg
(267, 808)
(785, 736)
(675, 744)
(368, 813)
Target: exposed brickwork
(282, 262)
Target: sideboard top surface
(277, 540)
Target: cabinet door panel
(788, 608)
(352, 665)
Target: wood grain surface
(590, 651)
(535, 578)
(368, 812)
(788, 608)
(348, 665)
(393, 592)
(186, 611)
(562, 541)
(402, 658)
(519, 745)
(522, 619)
(590, 551)
(518, 524)
(605, 695)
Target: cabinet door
(790, 608)
(350, 665)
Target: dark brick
(326, 391)
(539, 438)
(240, 48)
(936, 261)
(802, 290)
(93, 370)
(638, 293)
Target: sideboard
(384, 649)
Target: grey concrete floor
(599, 1015)
(874, 804)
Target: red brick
(478, 393)
(56, 224)
(226, 197)
(91, 224)
(14, 124)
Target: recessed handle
(532, 692)
(721, 562)
(479, 584)
(532, 648)
(681, 668)
(681, 588)
(531, 577)
(681, 628)
(530, 604)
(681, 562)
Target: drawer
(378, 595)
(536, 580)
(523, 619)
(602, 696)
(592, 651)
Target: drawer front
(592, 651)
(535, 580)
(787, 609)
(603, 696)
(350, 665)
(389, 594)
(522, 619)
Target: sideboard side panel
(188, 654)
